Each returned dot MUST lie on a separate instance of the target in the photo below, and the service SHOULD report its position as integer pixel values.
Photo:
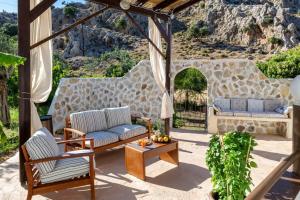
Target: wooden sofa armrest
(147, 121)
(71, 130)
(82, 136)
(66, 142)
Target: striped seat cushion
(42, 145)
(89, 121)
(67, 169)
(102, 138)
(118, 116)
(128, 131)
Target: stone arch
(176, 72)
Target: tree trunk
(4, 109)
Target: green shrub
(119, 62)
(229, 161)
(202, 5)
(275, 41)
(267, 20)
(120, 24)
(10, 29)
(70, 11)
(195, 32)
(177, 123)
(283, 65)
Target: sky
(11, 5)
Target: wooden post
(24, 80)
(296, 136)
(168, 68)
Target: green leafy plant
(120, 24)
(70, 11)
(275, 41)
(267, 20)
(195, 31)
(283, 65)
(119, 62)
(10, 29)
(230, 162)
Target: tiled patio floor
(189, 181)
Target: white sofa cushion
(101, 138)
(255, 105)
(223, 104)
(42, 145)
(268, 115)
(225, 113)
(117, 116)
(238, 104)
(67, 169)
(282, 110)
(271, 104)
(128, 131)
(89, 121)
(242, 113)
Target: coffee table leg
(171, 157)
(134, 162)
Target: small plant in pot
(230, 162)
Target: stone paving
(189, 181)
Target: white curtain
(41, 63)
(158, 69)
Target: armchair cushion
(118, 116)
(101, 138)
(268, 115)
(42, 145)
(89, 121)
(67, 169)
(128, 131)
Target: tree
(190, 80)
(10, 29)
(7, 64)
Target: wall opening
(190, 100)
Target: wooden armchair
(39, 183)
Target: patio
(164, 181)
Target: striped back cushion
(118, 116)
(42, 145)
(89, 121)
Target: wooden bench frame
(35, 187)
(213, 121)
(68, 134)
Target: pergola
(160, 11)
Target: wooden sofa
(249, 110)
(70, 131)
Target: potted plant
(230, 162)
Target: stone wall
(225, 78)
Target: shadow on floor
(178, 178)
(270, 155)
(286, 188)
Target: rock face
(227, 78)
(251, 23)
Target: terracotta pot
(213, 196)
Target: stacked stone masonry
(228, 78)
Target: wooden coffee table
(135, 156)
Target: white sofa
(270, 110)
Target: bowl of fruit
(161, 138)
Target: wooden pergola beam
(140, 2)
(24, 81)
(132, 9)
(164, 4)
(186, 5)
(81, 21)
(40, 8)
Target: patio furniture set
(88, 132)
